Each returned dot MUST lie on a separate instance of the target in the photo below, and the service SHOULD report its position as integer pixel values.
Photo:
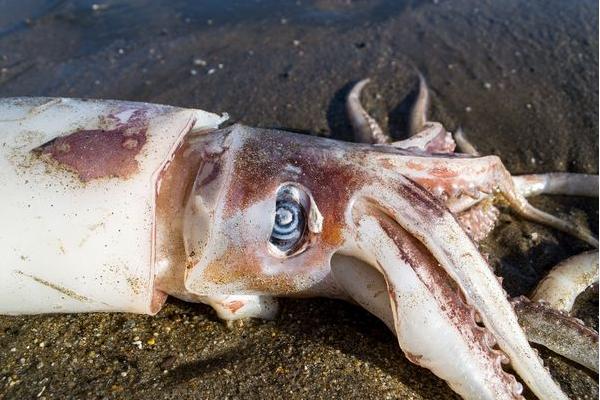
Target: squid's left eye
(289, 224)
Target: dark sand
(521, 77)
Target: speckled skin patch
(100, 153)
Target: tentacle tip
(355, 92)
(362, 83)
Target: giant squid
(112, 206)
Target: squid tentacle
(463, 144)
(558, 331)
(429, 136)
(561, 183)
(432, 139)
(420, 108)
(435, 327)
(515, 189)
(505, 186)
(366, 128)
(567, 280)
(460, 182)
(437, 229)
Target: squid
(112, 206)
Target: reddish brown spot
(443, 172)
(235, 305)
(388, 164)
(94, 154)
(101, 153)
(415, 165)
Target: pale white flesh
(562, 183)
(428, 335)
(567, 280)
(73, 246)
(457, 254)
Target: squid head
(271, 213)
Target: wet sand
(520, 77)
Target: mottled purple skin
(101, 153)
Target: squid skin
(568, 184)
(195, 214)
(366, 128)
(557, 331)
(78, 199)
(546, 318)
(567, 280)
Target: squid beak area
(400, 270)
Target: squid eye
(289, 221)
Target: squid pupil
(289, 224)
